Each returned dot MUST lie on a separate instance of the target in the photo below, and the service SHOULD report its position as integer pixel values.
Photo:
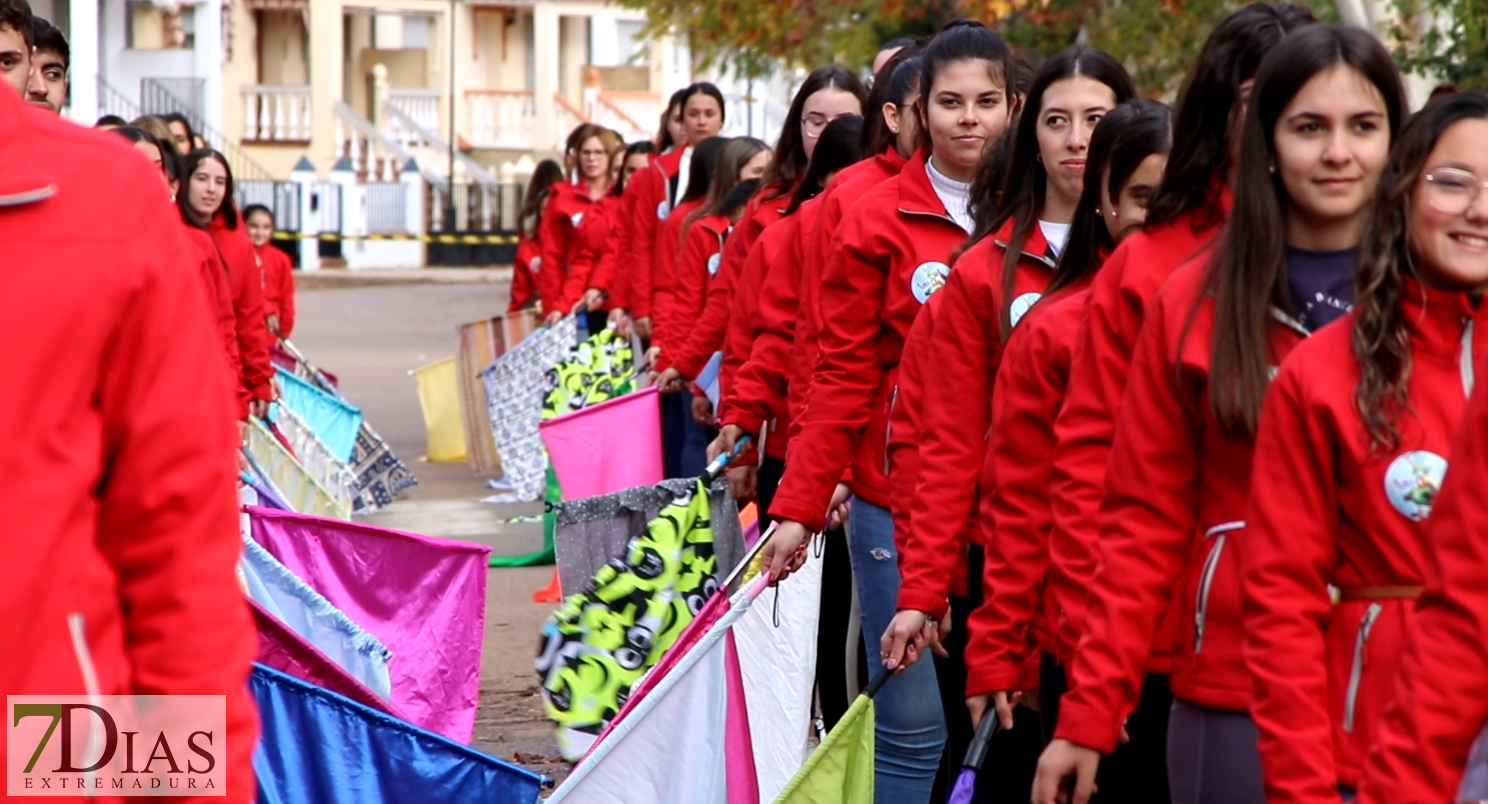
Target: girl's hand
(783, 554)
(643, 327)
(593, 298)
(904, 640)
(670, 381)
(702, 410)
(1061, 761)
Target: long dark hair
(1248, 272)
(170, 159)
(790, 151)
(1381, 335)
(877, 137)
(1207, 105)
(547, 174)
(726, 167)
(663, 139)
(1027, 181)
(1124, 138)
(228, 210)
(964, 40)
(704, 163)
(643, 147)
(841, 145)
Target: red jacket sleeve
(1287, 558)
(847, 373)
(600, 247)
(584, 255)
(1015, 518)
(1439, 702)
(905, 421)
(689, 285)
(953, 435)
(248, 306)
(284, 278)
(624, 243)
(166, 507)
(651, 190)
(1144, 543)
(707, 337)
(552, 238)
(1083, 433)
(523, 285)
(744, 315)
(219, 295)
(759, 387)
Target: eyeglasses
(1451, 191)
(813, 123)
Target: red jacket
(887, 257)
(558, 234)
(592, 264)
(760, 328)
(1098, 373)
(664, 273)
(1017, 608)
(712, 326)
(650, 196)
(278, 286)
(1325, 510)
(849, 185)
(526, 264)
(1175, 497)
(966, 344)
(117, 414)
(248, 304)
(220, 307)
(1438, 702)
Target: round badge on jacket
(663, 209)
(1022, 305)
(535, 265)
(713, 262)
(1412, 482)
(927, 279)
(578, 216)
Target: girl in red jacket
(1352, 447)
(206, 202)
(654, 192)
(527, 262)
(1317, 133)
(827, 94)
(1433, 217)
(889, 255)
(1186, 212)
(1127, 153)
(598, 150)
(995, 282)
(591, 273)
(278, 272)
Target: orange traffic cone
(552, 593)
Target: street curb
(330, 278)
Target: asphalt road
(371, 333)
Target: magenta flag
(608, 447)
(423, 596)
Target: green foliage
(1455, 49)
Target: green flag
(840, 770)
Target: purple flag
(424, 597)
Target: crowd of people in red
(1136, 418)
(1158, 422)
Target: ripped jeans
(911, 730)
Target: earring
(894, 130)
(1272, 168)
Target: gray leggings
(1213, 757)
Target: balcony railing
(420, 104)
(633, 114)
(276, 114)
(501, 118)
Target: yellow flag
(840, 770)
(439, 395)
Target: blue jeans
(911, 730)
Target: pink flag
(611, 446)
(424, 597)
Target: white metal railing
(633, 114)
(435, 148)
(373, 154)
(501, 118)
(422, 105)
(276, 114)
(566, 117)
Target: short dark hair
(253, 209)
(45, 37)
(111, 120)
(16, 15)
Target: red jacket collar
(1036, 246)
(916, 195)
(25, 179)
(1436, 317)
(670, 162)
(891, 159)
(717, 224)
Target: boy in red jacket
(117, 415)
